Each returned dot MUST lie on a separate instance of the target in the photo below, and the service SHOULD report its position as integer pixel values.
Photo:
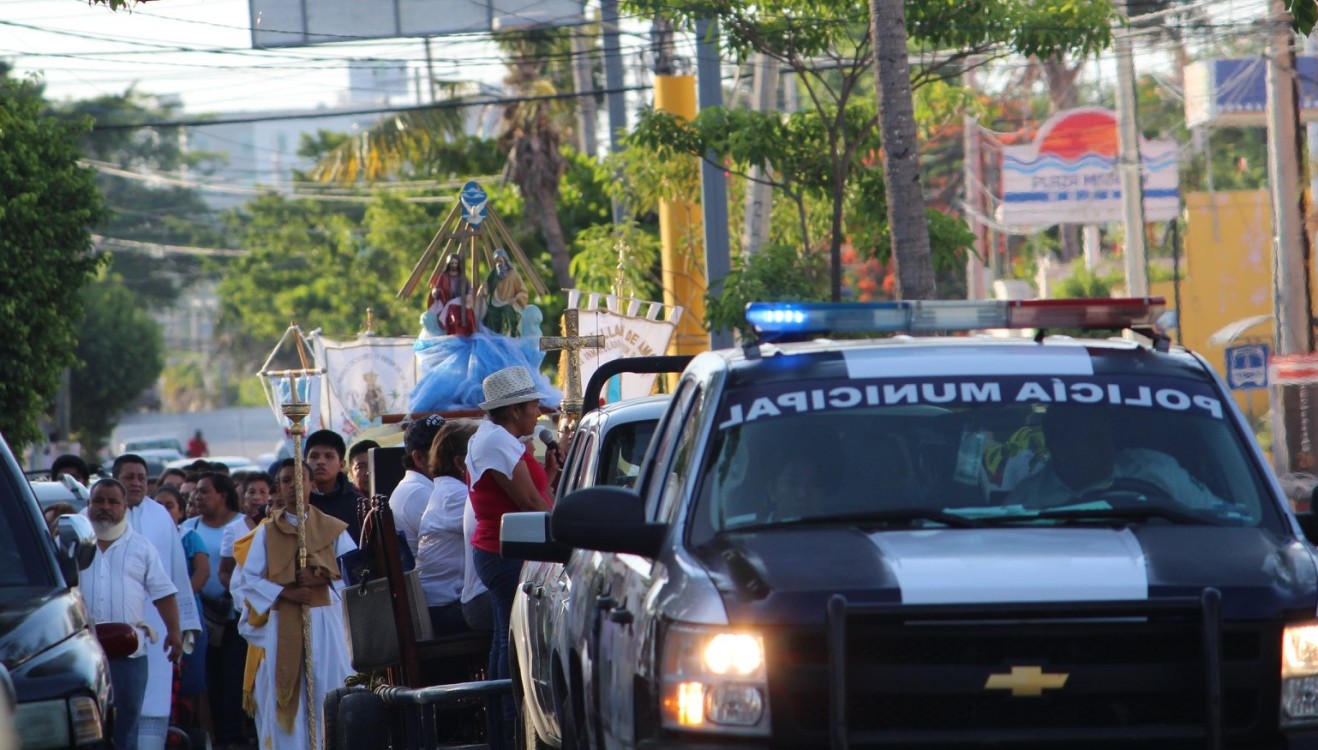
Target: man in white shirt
(409, 498)
(150, 519)
(271, 591)
(124, 576)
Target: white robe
(150, 519)
(329, 643)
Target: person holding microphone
(505, 477)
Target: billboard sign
(1069, 174)
(298, 23)
(1234, 92)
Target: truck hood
(787, 576)
(33, 620)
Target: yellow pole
(680, 234)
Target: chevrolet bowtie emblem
(1026, 682)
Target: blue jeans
(128, 678)
(500, 577)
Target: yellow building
(1226, 276)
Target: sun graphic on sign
(1080, 133)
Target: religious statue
(452, 283)
(450, 300)
(374, 404)
(503, 297)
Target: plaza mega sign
(1069, 174)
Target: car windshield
(939, 452)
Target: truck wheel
(524, 734)
(527, 739)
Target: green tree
(141, 211)
(531, 133)
(829, 50)
(309, 262)
(48, 203)
(120, 354)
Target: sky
(202, 51)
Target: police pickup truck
(946, 540)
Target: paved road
(229, 432)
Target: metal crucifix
(571, 343)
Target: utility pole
(978, 278)
(1132, 173)
(713, 183)
(613, 81)
(1311, 47)
(679, 219)
(430, 72)
(759, 196)
(1292, 449)
(582, 81)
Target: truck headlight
(714, 680)
(1299, 674)
(43, 724)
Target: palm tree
(397, 142)
(531, 130)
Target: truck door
(625, 653)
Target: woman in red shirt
(504, 477)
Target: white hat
(511, 385)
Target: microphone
(546, 436)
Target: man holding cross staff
(289, 590)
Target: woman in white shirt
(441, 546)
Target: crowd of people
(206, 566)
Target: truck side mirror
(525, 536)
(75, 540)
(606, 519)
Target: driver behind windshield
(1086, 465)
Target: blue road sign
(1247, 367)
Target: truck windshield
(979, 451)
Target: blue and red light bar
(770, 319)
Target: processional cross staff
(571, 343)
(296, 410)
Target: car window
(981, 448)
(581, 465)
(665, 437)
(622, 452)
(22, 560)
(680, 469)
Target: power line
(160, 250)
(455, 104)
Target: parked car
(235, 463)
(58, 666)
(606, 450)
(933, 540)
(152, 443)
(67, 490)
